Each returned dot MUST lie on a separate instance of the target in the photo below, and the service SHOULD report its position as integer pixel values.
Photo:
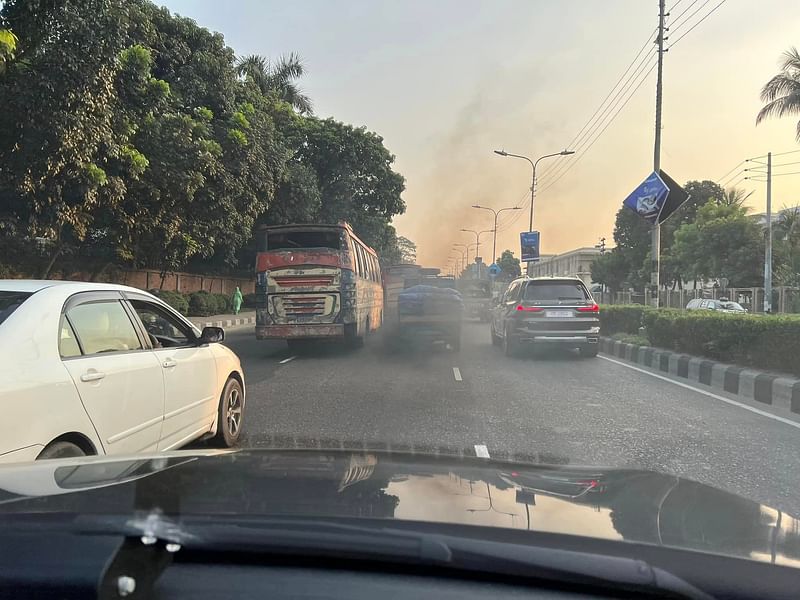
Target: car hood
(611, 504)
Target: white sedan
(93, 368)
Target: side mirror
(212, 335)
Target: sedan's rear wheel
(230, 418)
(60, 450)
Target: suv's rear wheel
(510, 344)
(496, 340)
(588, 351)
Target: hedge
(764, 341)
(204, 304)
(622, 318)
(176, 300)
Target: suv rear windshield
(292, 240)
(10, 301)
(555, 291)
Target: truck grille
(297, 306)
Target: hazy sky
(445, 82)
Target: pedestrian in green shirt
(236, 301)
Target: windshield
(555, 292)
(548, 252)
(9, 302)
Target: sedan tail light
(594, 308)
(521, 308)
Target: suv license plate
(558, 313)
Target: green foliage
(622, 318)
(768, 342)
(176, 300)
(629, 338)
(610, 269)
(8, 47)
(781, 94)
(722, 242)
(509, 266)
(204, 304)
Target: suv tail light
(521, 308)
(594, 308)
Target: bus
(316, 282)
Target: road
(555, 409)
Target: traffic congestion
(342, 300)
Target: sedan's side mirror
(212, 335)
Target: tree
(786, 236)
(278, 78)
(632, 237)
(722, 243)
(509, 266)
(408, 250)
(610, 269)
(8, 46)
(356, 181)
(782, 93)
(734, 197)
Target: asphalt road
(555, 409)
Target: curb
(780, 392)
(237, 322)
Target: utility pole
(655, 241)
(768, 256)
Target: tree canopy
(134, 137)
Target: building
(576, 263)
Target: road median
(225, 321)
(782, 392)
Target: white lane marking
(481, 451)
(285, 360)
(457, 374)
(752, 409)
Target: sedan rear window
(11, 301)
(551, 291)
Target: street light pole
(655, 235)
(477, 244)
(768, 253)
(533, 164)
(496, 213)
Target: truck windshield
(555, 291)
(291, 240)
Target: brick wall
(177, 282)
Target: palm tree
(788, 224)
(782, 92)
(734, 197)
(277, 77)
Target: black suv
(546, 311)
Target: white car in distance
(93, 369)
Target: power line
(731, 171)
(614, 87)
(708, 14)
(675, 25)
(575, 162)
(685, 10)
(564, 165)
(671, 8)
(775, 154)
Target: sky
(445, 82)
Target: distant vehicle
(546, 311)
(421, 310)
(477, 294)
(92, 368)
(316, 282)
(725, 306)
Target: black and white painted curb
(232, 322)
(782, 393)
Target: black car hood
(611, 504)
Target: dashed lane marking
(457, 374)
(481, 451)
(752, 409)
(285, 360)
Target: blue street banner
(648, 198)
(529, 240)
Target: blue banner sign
(648, 199)
(529, 240)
